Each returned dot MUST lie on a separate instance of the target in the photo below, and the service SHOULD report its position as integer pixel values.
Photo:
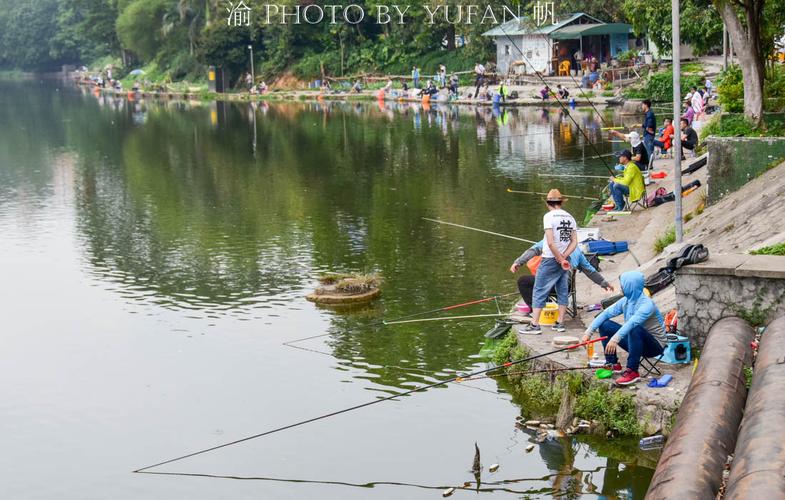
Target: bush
(613, 408)
(659, 86)
(665, 240)
(731, 90)
(736, 125)
(778, 249)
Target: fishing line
(446, 318)
(528, 372)
(605, 177)
(564, 108)
(363, 405)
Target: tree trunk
(747, 44)
(450, 37)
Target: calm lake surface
(155, 258)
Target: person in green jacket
(630, 184)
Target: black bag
(500, 330)
(659, 280)
(514, 94)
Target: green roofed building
(526, 48)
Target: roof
(578, 30)
(567, 28)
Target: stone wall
(734, 161)
(749, 286)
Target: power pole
(724, 46)
(253, 76)
(677, 117)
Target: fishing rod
(422, 313)
(575, 175)
(446, 318)
(528, 372)
(363, 405)
(544, 194)
(480, 230)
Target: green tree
(140, 27)
(701, 25)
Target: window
(506, 50)
(528, 54)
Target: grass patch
(350, 283)
(778, 249)
(613, 408)
(736, 125)
(665, 240)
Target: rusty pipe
(759, 461)
(694, 457)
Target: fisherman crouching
(641, 335)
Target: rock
(448, 492)
(543, 426)
(529, 448)
(532, 423)
(550, 426)
(575, 421)
(493, 468)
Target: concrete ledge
(748, 266)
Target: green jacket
(633, 179)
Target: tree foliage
(700, 23)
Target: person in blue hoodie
(577, 261)
(641, 335)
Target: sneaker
(628, 377)
(615, 368)
(558, 327)
(531, 329)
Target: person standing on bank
(641, 335)
(561, 239)
(649, 128)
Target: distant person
(630, 184)
(442, 76)
(545, 93)
(641, 335)
(561, 240)
(388, 86)
(666, 138)
(357, 87)
(453, 90)
(697, 101)
(689, 138)
(429, 90)
(248, 81)
(639, 153)
(562, 92)
(649, 127)
(415, 77)
(689, 111)
(503, 90)
(479, 78)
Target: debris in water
(476, 465)
(493, 467)
(448, 492)
(466, 484)
(529, 448)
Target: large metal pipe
(758, 469)
(694, 457)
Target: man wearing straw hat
(561, 239)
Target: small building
(525, 48)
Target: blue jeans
(638, 343)
(648, 143)
(618, 191)
(550, 275)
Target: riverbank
(723, 228)
(527, 96)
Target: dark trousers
(526, 288)
(638, 343)
(477, 84)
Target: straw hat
(635, 139)
(555, 195)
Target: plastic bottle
(652, 442)
(590, 351)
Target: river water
(155, 258)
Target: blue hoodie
(638, 310)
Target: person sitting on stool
(630, 184)
(641, 335)
(577, 261)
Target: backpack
(661, 191)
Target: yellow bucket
(549, 314)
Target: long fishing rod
(576, 176)
(446, 318)
(564, 108)
(422, 313)
(528, 372)
(544, 194)
(480, 230)
(363, 405)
